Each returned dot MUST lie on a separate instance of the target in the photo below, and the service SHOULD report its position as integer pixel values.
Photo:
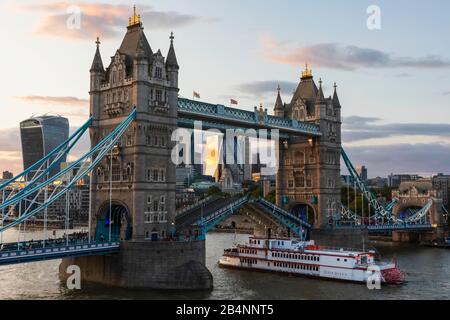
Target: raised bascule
(135, 238)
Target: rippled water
(428, 275)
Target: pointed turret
(279, 107)
(97, 64)
(320, 98)
(336, 101)
(171, 56)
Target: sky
(393, 82)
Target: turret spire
(279, 107)
(320, 95)
(336, 101)
(97, 64)
(171, 56)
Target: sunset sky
(393, 83)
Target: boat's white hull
(324, 272)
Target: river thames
(427, 271)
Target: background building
(7, 175)
(441, 183)
(362, 172)
(40, 136)
(394, 180)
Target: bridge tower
(133, 189)
(308, 180)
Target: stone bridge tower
(141, 171)
(308, 180)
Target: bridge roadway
(189, 218)
(32, 251)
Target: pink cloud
(345, 57)
(104, 20)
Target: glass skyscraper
(40, 136)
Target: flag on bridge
(196, 95)
(235, 102)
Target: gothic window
(114, 97)
(296, 114)
(149, 200)
(120, 96)
(163, 141)
(149, 174)
(121, 75)
(299, 158)
(309, 182)
(158, 95)
(291, 183)
(155, 206)
(115, 176)
(114, 80)
(162, 175)
(149, 140)
(299, 181)
(129, 141)
(155, 175)
(155, 141)
(302, 114)
(312, 159)
(158, 73)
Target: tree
(272, 197)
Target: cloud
(430, 158)
(346, 57)
(55, 100)
(9, 140)
(447, 93)
(362, 128)
(262, 88)
(102, 19)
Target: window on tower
(158, 73)
(158, 95)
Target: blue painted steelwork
(189, 110)
(206, 125)
(294, 228)
(65, 147)
(292, 222)
(100, 150)
(381, 213)
(382, 228)
(283, 213)
(391, 204)
(56, 251)
(209, 222)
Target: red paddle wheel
(393, 275)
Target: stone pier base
(150, 265)
(341, 238)
(418, 237)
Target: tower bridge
(134, 237)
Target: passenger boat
(305, 258)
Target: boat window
(338, 259)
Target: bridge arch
(119, 221)
(407, 210)
(304, 211)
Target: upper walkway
(222, 118)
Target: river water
(427, 269)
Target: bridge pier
(418, 237)
(149, 265)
